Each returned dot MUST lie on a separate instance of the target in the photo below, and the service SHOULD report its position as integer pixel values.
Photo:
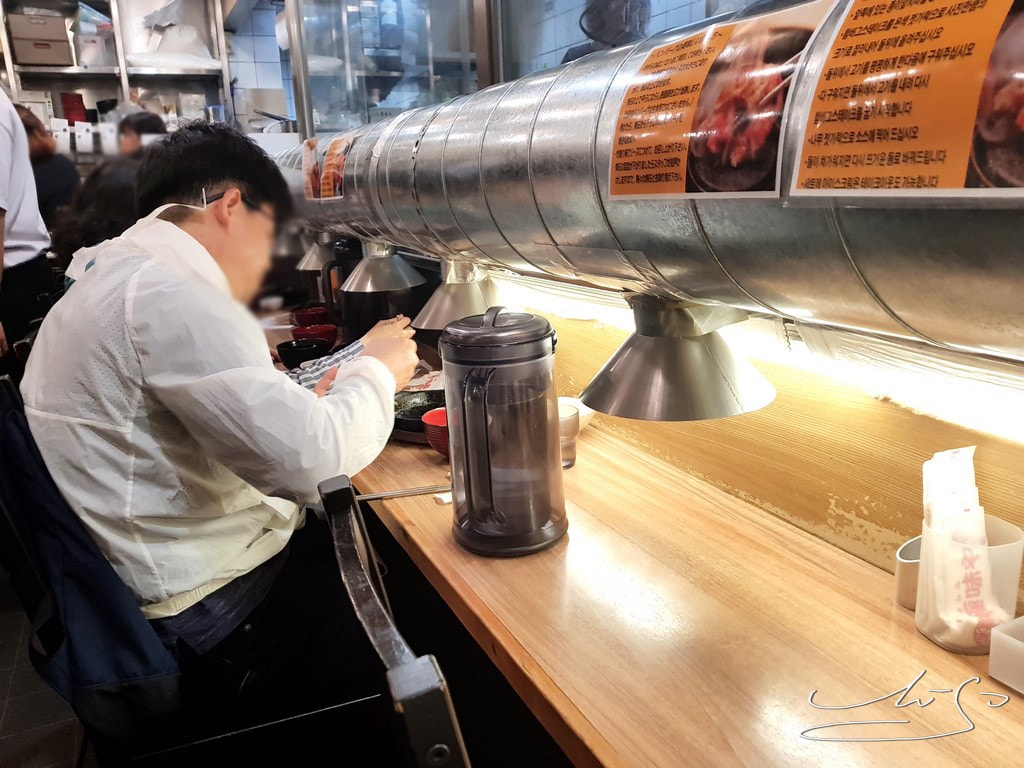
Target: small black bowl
(294, 353)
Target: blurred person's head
(104, 207)
(238, 197)
(613, 23)
(131, 129)
(41, 143)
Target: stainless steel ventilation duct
(517, 176)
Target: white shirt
(24, 231)
(166, 427)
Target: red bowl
(328, 333)
(435, 425)
(311, 316)
(438, 417)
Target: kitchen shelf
(129, 34)
(162, 72)
(38, 69)
(378, 73)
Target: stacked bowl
(435, 424)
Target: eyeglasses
(249, 203)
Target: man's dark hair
(213, 157)
(142, 122)
(104, 207)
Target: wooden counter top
(679, 626)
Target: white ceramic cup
(908, 565)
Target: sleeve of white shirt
(204, 357)
(6, 164)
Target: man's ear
(227, 207)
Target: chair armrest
(342, 510)
(418, 689)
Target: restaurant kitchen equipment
(503, 428)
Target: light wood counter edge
(575, 734)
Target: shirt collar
(167, 241)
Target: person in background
(189, 457)
(103, 208)
(24, 271)
(56, 176)
(610, 24)
(132, 128)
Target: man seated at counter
(188, 456)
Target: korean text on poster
(704, 115)
(919, 98)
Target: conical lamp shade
(319, 255)
(376, 274)
(662, 378)
(454, 301)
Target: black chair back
(29, 586)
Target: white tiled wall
(539, 32)
(254, 59)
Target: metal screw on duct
(677, 367)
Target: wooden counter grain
(680, 626)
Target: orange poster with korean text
(704, 115)
(332, 182)
(918, 98)
(311, 169)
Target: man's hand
(3, 343)
(395, 328)
(324, 384)
(398, 354)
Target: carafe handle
(328, 289)
(476, 440)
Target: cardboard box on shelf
(55, 53)
(32, 27)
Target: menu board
(704, 115)
(918, 97)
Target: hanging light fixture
(464, 291)
(380, 270)
(677, 367)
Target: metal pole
(217, 30)
(430, 53)
(122, 60)
(300, 68)
(5, 44)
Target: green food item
(412, 405)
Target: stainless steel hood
(517, 176)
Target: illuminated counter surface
(679, 626)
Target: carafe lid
(497, 336)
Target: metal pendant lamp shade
(381, 270)
(677, 367)
(290, 244)
(320, 254)
(464, 292)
